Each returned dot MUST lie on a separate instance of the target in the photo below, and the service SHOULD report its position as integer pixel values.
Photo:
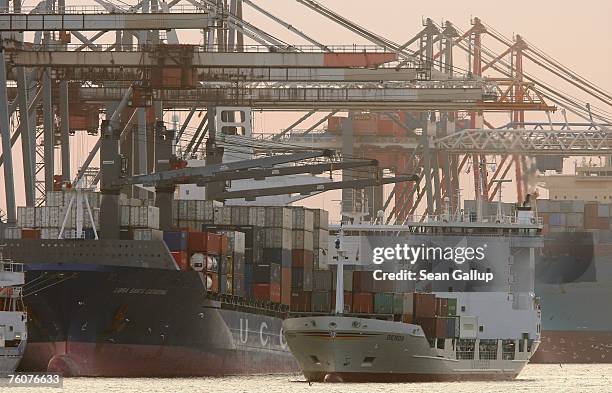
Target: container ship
(207, 299)
(573, 268)
(451, 328)
(13, 319)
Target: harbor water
(535, 378)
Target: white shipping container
(26, 217)
(320, 239)
(302, 219)
(49, 233)
(38, 217)
(54, 217)
(240, 215)
(239, 242)
(302, 240)
(278, 217)
(134, 202)
(144, 217)
(12, 233)
(277, 238)
(190, 224)
(257, 216)
(223, 215)
(148, 234)
(192, 210)
(205, 211)
(320, 219)
(175, 210)
(124, 216)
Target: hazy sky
(576, 34)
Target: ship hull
(140, 322)
(571, 346)
(574, 282)
(350, 349)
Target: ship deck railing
(300, 314)
(241, 303)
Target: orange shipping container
(182, 259)
(424, 305)
(270, 292)
(301, 301)
(213, 243)
(286, 286)
(428, 325)
(197, 241)
(301, 258)
(363, 302)
(27, 233)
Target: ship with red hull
(138, 317)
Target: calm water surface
(535, 378)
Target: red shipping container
(363, 302)
(213, 243)
(182, 259)
(424, 305)
(363, 281)
(301, 301)
(197, 241)
(286, 286)
(428, 325)
(348, 301)
(301, 258)
(225, 245)
(270, 292)
(334, 123)
(27, 233)
(441, 325)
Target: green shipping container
(452, 307)
(403, 303)
(321, 301)
(383, 303)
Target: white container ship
(492, 332)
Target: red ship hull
(121, 360)
(574, 347)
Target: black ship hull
(96, 320)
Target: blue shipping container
(248, 280)
(176, 240)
